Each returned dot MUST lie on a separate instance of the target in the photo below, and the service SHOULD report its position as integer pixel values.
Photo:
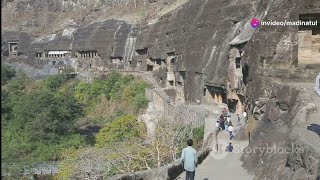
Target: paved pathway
(221, 164)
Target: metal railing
(43, 168)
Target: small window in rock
(163, 61)
(204, 91)
(149, 68)
(172, 60)
(142, 51)
(53, 62)
(238, 63)
(158, 61)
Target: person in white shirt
(245, 117)
(218, 125)
(230, 129)
(317, 85)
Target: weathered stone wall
(200, 35)
(280, 110)
(158, 101)
(190, 115)
(281, 147)
(309, 48)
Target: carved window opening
(238, 63)
(149, 68)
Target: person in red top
(224, 112)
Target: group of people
(224, 122)
(189, 156)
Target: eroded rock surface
(193, 50)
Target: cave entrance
(235, 104)
(149, 68)
(213, 94)
(232, 105)
(13, 48)
(143, 51)
(245, 73)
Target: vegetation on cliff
(44, 120)
(40, 118)
(122, 146)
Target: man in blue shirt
(229, 148)
(189, 159)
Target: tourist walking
(218, 125)
(238, 120)
(230, 129)
(224, 112)
(229, 147)
(226, 125)
(222, 123)
(190, 160)
(245, 116)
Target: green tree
(46, 115)
(54, 82)
(7, 73)
(122, 129)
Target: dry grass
(252, 125)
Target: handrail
(170, 171)
(47, 167)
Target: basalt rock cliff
(206, 51)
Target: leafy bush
(123, 128)
(7, 73)
(39, 117)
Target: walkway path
(221, 164)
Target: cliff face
(281, 145)
(281, 111)
(197, 47)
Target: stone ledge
(169, 172)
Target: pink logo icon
(254, 22)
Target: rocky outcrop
(280, 111)
(198, 43)
(281, 146)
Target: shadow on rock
(315, 128)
